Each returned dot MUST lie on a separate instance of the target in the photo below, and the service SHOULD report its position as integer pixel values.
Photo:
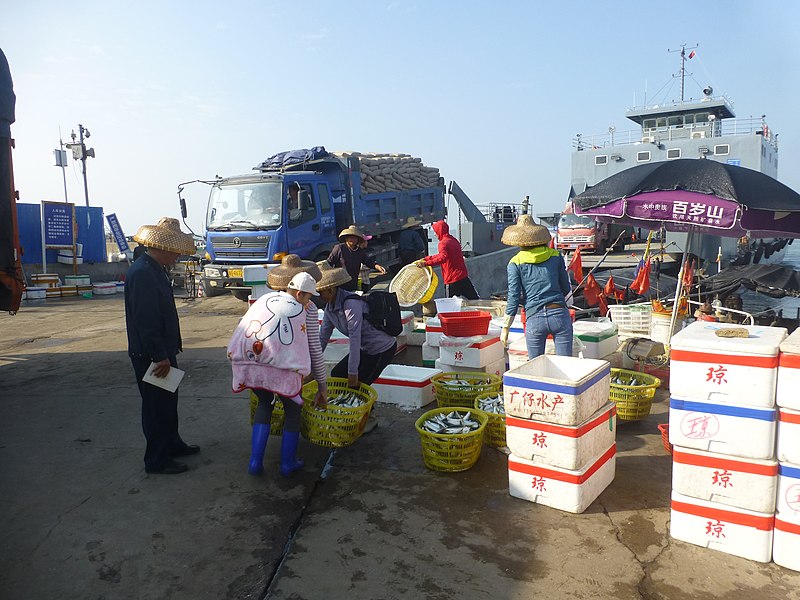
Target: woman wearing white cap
(275, 345)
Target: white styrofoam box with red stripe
(789, 373)
(743, 431)
(788, 489)
(429, 352)
(560, 445)
(476, 351)
(496, 368)
(515, 332)
(740, 482)
(406, 386)
(569, 490)
(402, 344)
(333, 354)
(104, 289)
(740, 371)
(737, 531)
(789, 435)
(407, 319)
(433, 331)
(557, 389)
(517, 353)
(786, 544)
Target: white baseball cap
(304, 283)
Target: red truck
(584, 232)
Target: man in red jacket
(451, 257)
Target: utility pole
(61, 161)
(79, 152)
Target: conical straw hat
(526, 233)
(167, 235)
(352, 230)
(331, 276)
(291, 265)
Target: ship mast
(683, 63)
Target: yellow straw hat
(291, 265)
(331, 276)
(352, 230)
(167, 236)
(526, 233)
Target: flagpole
(594, 268)
(678, 290)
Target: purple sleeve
(325, 331)
(354, 315)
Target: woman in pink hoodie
(451, 258)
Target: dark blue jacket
(150, 314)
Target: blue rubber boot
(259, 442)
(289, 461)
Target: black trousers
(291, 410)
(463, 288)
(370, 367)
(159, 417)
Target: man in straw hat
(154, 337)
(276, 345)
(454, 269)
(537, 277)
(370, 349)
(410, 244)
(350, 255)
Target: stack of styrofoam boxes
(722, 425)
(786, 546)
(430, 349)
(120, 287)
(104, 288)
(416, 337)
(255, 277)
(599, 338)
(407, 318)
(518, 351)
(407, 387)
(49, 281)
(77, 285)
(65, 255)
(561, 429)
(482, 353)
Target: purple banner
(682, 207)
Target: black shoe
(171, 467)
(185, 450)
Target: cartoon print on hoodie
(281, 309)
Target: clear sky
(491, 93)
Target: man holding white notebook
(154, 340)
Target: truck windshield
(254, 205)
(575, 221)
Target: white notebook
(169, 383)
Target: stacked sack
(722, 425)
(561, 430)
(392, 172)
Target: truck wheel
(210, 292)
(240, 294)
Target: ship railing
(747, 315)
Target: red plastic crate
(664, 429)
(466, 323)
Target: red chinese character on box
(459, 355)
(540, 439)
(557, 399)
(697, 427)
(542, 402)
(717, 375)
(512, 396)
(538, 484)
(722, 479)
(528, 398)
(715, 529)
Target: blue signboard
(58, 224)
(737, 162)
(116, 230)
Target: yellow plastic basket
(336, 426)
(414, 284)
(449, 453)
(278, 416)
(633, 401)
(479, 383)
(495, 433)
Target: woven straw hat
(411, 222)
(352, 230)
(331, 276)
(291, 265)
(526, 233)
(167, 235)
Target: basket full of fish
(461, 389)
(451, 438)
(492, 405)
(633, 393)
(341, 422)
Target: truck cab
(586, 233)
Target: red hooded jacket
(450, 255)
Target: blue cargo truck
(297, 204)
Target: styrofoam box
(789, 435)
(103, 289)
(433, 331)
(69, 290)
(255, 275)
(786, 545)
(260, 290)
(557, 389)
(571, 491)
(740, 371)
(429, 352)
(789, 373)
(417, 338)
(733, 430)
(485, 350)
(737, 531)
(559, 445)
(402, 344)
(407, 319)
(78, 280)
(496, 368)
(36, 293)
(68, 260)
(788, 489)
(120, 287)
(515, 332)
(599, 337)
(517, 353)
(577, 347)
(739, 482)
(405, 386)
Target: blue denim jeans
(555, 321)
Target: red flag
(592, 291)
(641, 284)
(691, 54)
(603, 305)
(576, 266)
(688, 274)
(552, 243)
(610, 287)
